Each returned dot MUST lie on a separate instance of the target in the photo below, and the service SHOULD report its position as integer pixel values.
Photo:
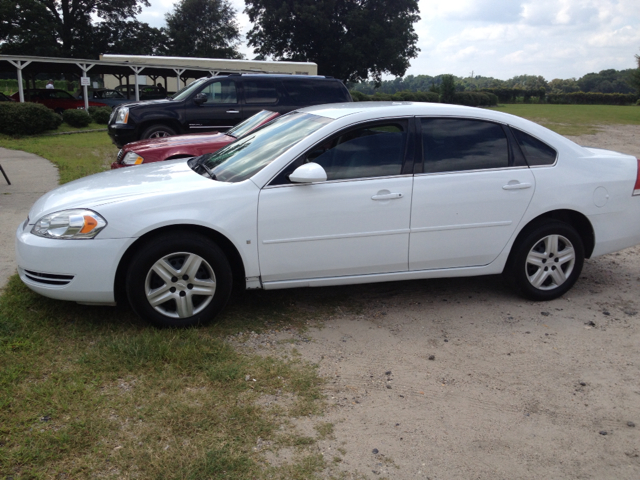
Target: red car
(184, 146)
(56, 100)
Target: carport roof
(72, 66)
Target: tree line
(352, 40)
(605, 81)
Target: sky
(505, 38)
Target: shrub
(26, 118)
(399, 97)
(359, 96)
(76, 118)
(591, 98)
(100, 114)
(474, 99)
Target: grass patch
(575, 119)
(94, 392)
(65, 127)
(76, 156)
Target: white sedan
(332, 195)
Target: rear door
(221, 111)
(470, 195)
(263, 94)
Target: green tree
(447, 89)
(129, 38)
(634, 77)
(203, 28)
(349, 39)
(58, 27)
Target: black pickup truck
(219, 103)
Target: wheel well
(577, 220)
(229, 249)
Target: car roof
(364, 111)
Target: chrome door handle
(233, 111)
(516, 186)
(387, 196)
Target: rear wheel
(547, 261)
(158, 131)
(179, 281)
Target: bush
(591, 98)
(26, 118)
(398, 97)
(100, 114)
(359, 96)
(76, 118)
(474, 99)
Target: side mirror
(308, 173)
(200, 98)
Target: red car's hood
(213, 139)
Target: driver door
(355, 223)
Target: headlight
(70, 224)
(132, 158)
(123, 115)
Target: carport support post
(85, 93)
(179, 71)
(137, 71)
(19, 64)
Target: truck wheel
(158, 131)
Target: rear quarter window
(536, 152)
(308, 92)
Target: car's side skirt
(493, 268)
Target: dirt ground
(463, 379)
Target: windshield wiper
(201, 163)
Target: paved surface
(31, 176)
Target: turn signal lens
(132, 158)
(70, 225)
(636, 188)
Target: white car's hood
(117, 185)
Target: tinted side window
(220, 92)
(260, 92)
(452, 145)
(535, 151)
(368, 151)
(315, 93)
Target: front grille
(48, 278)
(120, 155)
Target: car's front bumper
(122, 134)
(77, 270)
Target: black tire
(184, 296)
(59, 111)
(158, 131)
(546, 261)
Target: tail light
(636, 189)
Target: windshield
(250, 154)
(188, 90)
(249, 124)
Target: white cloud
(504, 38)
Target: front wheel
(547, 261)
(179, 281)
(158, 131)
